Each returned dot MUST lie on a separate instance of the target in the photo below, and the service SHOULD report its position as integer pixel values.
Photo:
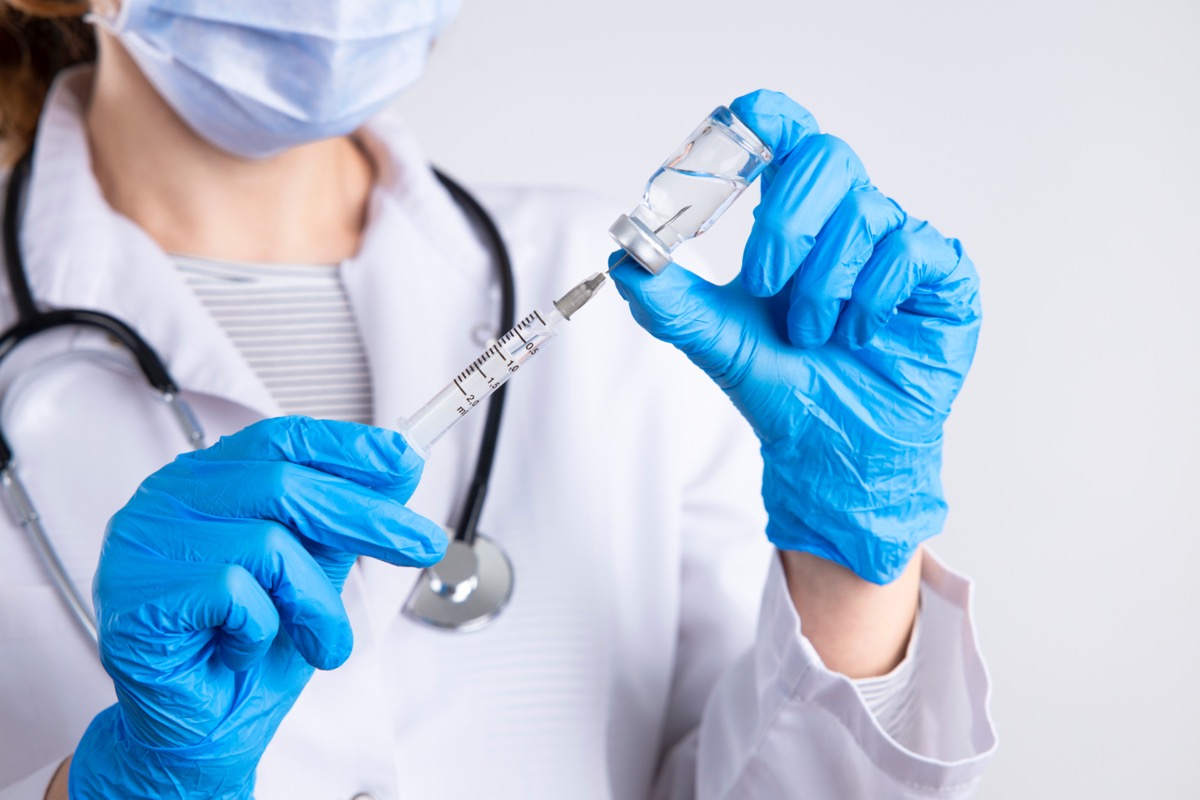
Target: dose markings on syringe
(513, 347)
(482, 377)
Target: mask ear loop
(109, 15)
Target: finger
(224, 599)
(247, 626)
(808, 185)
(320, 507)
(680, 307)
(369, 456)
(953, 298)
(309, 604)
(778, 120)
(826, 278)
(904, 262)
(202, 606)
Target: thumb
(781, 122)
(680, 307)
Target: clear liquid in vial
(706, 195)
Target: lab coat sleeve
(779, 724)
(32, 787)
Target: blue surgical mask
(255, 77)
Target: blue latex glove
(218, 593)
(844, 343)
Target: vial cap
(641, 243)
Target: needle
(678, 214)
(620, 261)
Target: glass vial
(692, 189)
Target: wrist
(110, 761)
(859, 628)
(57, 790)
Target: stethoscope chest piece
(464, 591)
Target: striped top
(295, 327)
(892, 697)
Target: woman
(223, 179)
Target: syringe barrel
(480, 379)
(434, 418)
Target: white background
(1058, 140)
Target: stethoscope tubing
(468, 521)
(32, 321)
(27, 515)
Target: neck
(306, 205)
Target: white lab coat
(629, 664)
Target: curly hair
(38, 39)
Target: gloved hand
(844, 343)
(218, 593)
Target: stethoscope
(464, 591)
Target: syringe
(493, 368)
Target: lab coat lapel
(421, 264)
(398, 307)
(418, 287)
(80, 253)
